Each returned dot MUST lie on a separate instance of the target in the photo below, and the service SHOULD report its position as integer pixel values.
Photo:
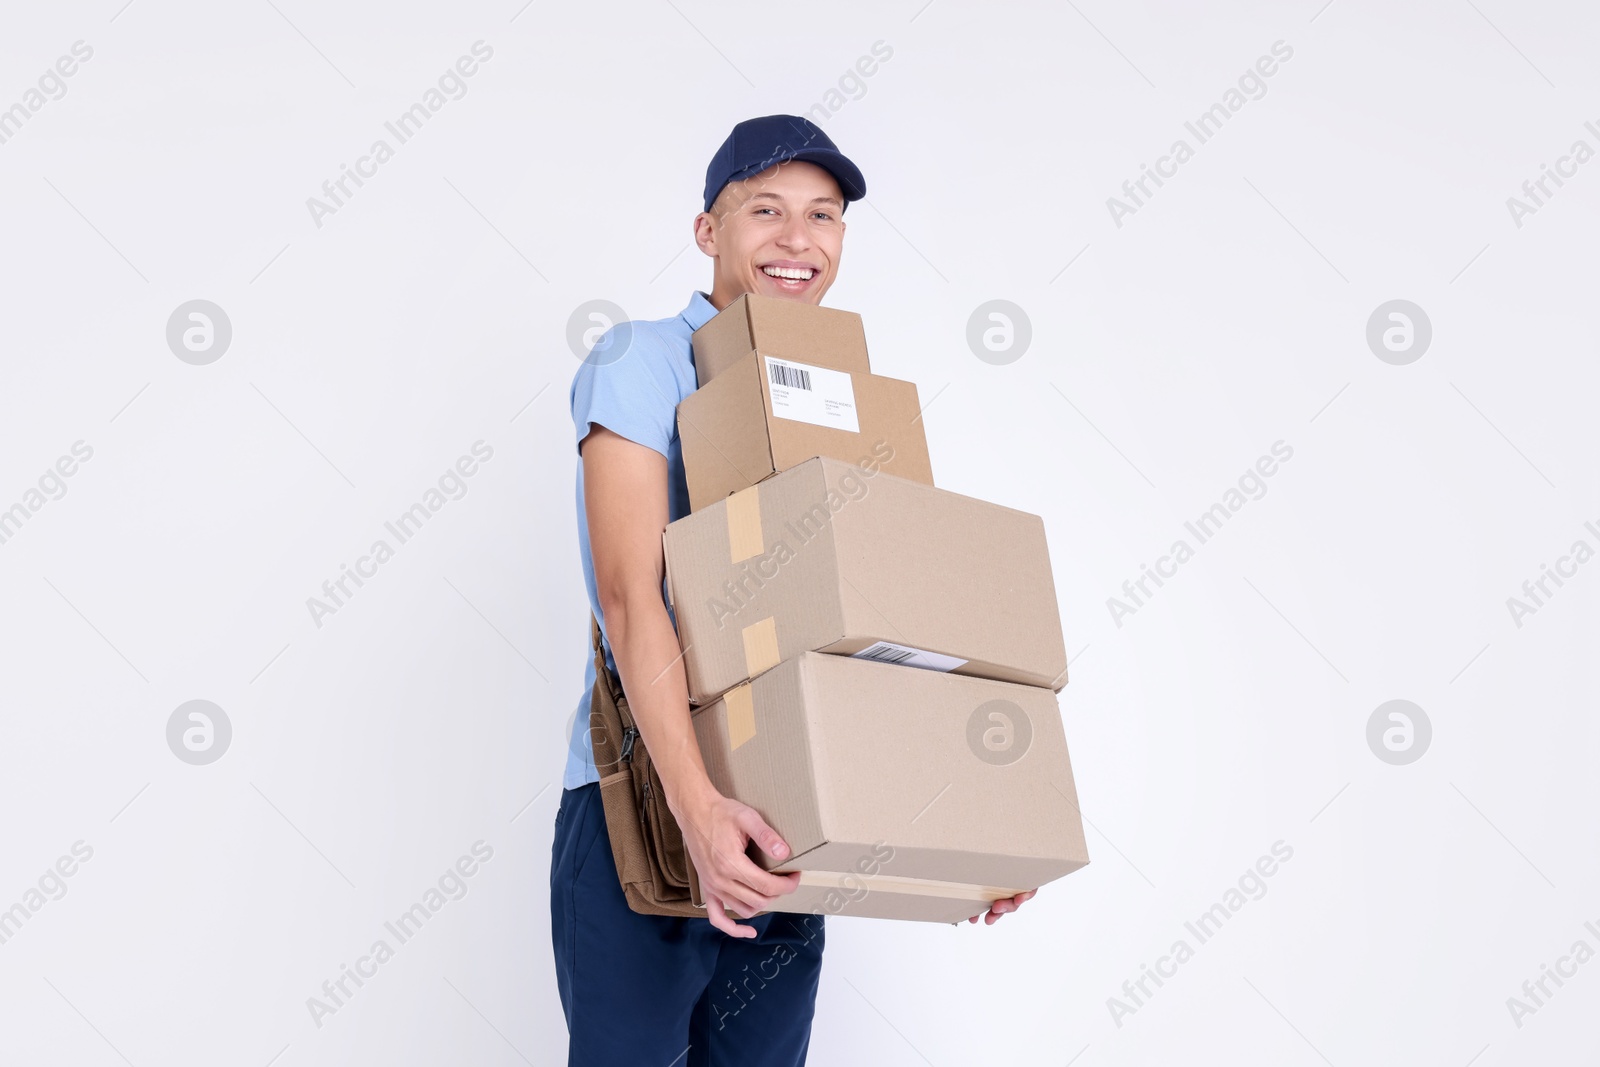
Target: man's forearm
(645, 648)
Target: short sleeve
(634, 394)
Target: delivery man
(659, 990)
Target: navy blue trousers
(658, 991)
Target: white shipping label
(887, 652)
(816, 395)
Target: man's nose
(794, 235)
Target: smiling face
(779, 233)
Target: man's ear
(705, 233)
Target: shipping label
(888, 652)
(817, 395)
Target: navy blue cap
(756, 144)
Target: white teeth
(797, 274)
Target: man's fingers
(765, 837)
(737, 904)
(721, 921)
(1003, 906)
(755, 886)
(738, 890)
(746, 871)
(765, 884)
(741, 875)
(738, 896)
(729, 877)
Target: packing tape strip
(760, 646)
(741, 715)
(744, 526)
(922, 887)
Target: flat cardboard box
(763, 415)
(904, 794)
(828, 556)
(789, 329)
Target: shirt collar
(699, 311)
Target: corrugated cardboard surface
(823, 337)
(717, 594)
(777, 761)
(888, 409)
(723, 430)
(850, 557)
(882, 897)
(731, 439)
(849, 757)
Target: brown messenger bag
(646, 843)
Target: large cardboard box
(788, 329)
(829, 556)
(904, 794)
(765, 414)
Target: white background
(1228, 313)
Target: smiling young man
(649, 989)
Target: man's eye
(821, 215)
(759, 210)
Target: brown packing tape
(744, 525)
(922, 887)
(760, 646)
(741, 715)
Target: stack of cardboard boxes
(873, 661)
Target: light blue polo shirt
(634, 394)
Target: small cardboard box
(788, 329)
(765, 414)
(904, 794)
(833, 557)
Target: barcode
(791, 377)
(887, 655)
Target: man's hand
(1002, 906)
(715, 831)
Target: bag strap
(603, 676)
(602, 673)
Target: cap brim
(846, 173)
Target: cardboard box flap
(808, 332)
(922, 887)
(790, 329)
(721, 341)
(879, 897)
(919, 900)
